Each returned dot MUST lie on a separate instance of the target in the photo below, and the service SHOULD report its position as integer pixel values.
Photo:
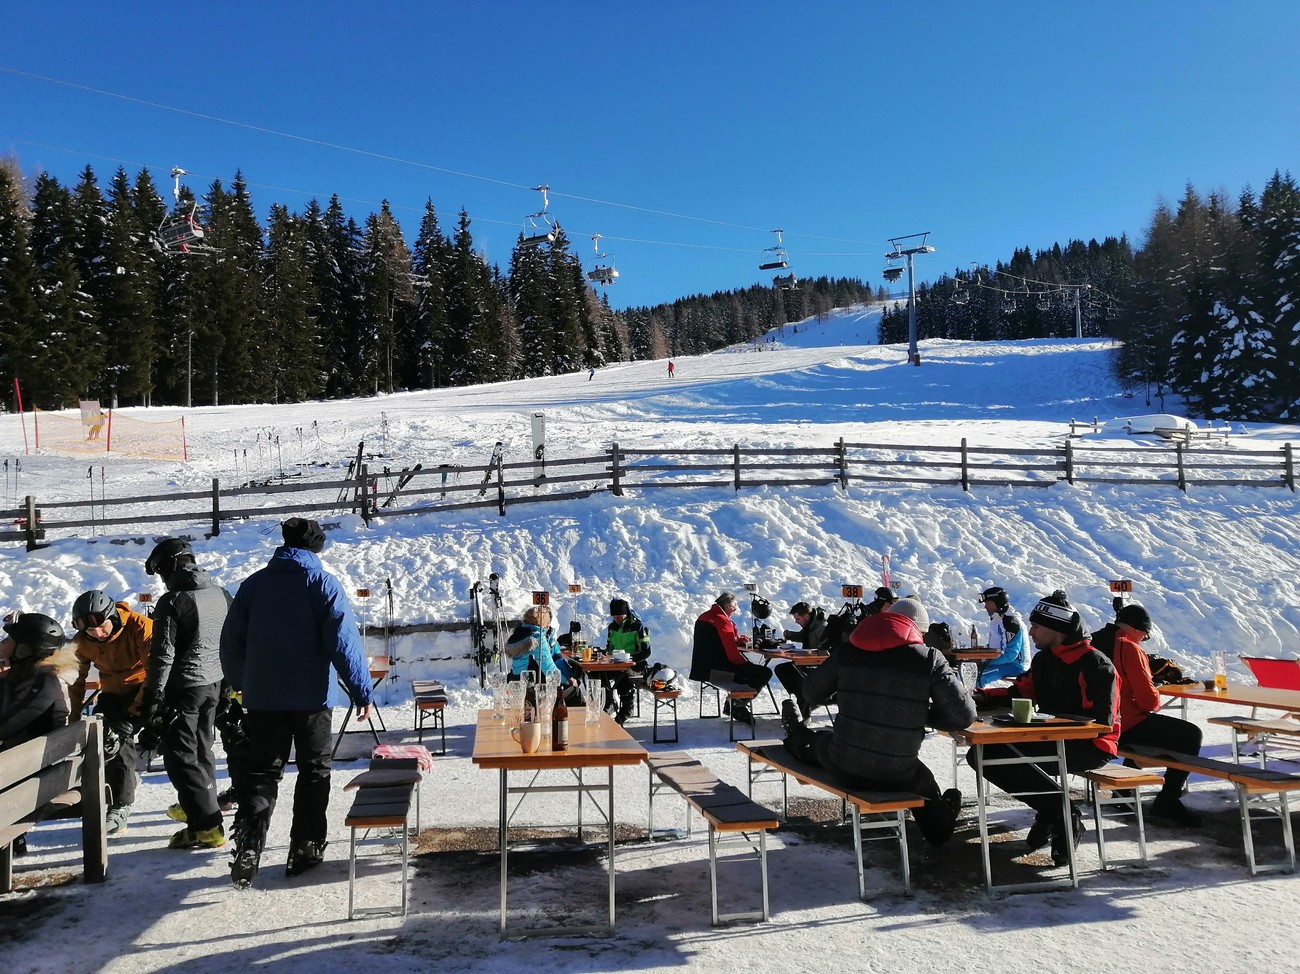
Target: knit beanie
(913, 609)
(301, 532)
(1136, 616)
(1056, 613)
(619, 607)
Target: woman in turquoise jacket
(532, 645)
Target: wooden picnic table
(800, 657)
(1241, 695)
(1057, 730)
(603, 744)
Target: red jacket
(1138, 698)
(715, 646)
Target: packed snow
(1217, 568)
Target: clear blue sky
(994, 125)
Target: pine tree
(431, 263)
(467, 310)
(296, 349)
(128, 299)
(387, 296)
(20, 352)
(530, 291)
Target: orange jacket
(1138, 697)
(122, 659)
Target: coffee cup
(1022, 709)
(528, 735)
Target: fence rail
(619, 470)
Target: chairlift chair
(785, 282)
(892, 274)
(774, 258)
(181, 232)
(602, 274)
(1044, 303)
(1008, 305)
(539, 228)
(961, 296)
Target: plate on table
(1071, 721)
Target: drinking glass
(515, 691)
(969, 675)
(496, 681)
(546, 693)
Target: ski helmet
(36, 632)
(761, 607)
(93, 609)
(167, 555)
(663, 677)
(997, 595)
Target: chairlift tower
(909, 246)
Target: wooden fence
(620, 470)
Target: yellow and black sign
(1119, 585)
(851, 591)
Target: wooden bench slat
(1254, 780)
(383, 778)
(1116, 777)
(381, 796)
(1254, 725)
(777, 756)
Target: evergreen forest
(315, 305)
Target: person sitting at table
(890, 687)
(810, 635)
(1066, 676)
(885, 597)
(533, 646)
(1140, 721)
(1007, 635)
(116, 642)
(716, 649)
(626, 634)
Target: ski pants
(271, 735)
(1162, 730)
(119, 770)
(187, 753)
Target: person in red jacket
(1067, 676)
(1139, 719)
(716, 649)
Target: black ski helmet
(38, 632)
(760, 606)
(92, 609)
(997, 595)
(165, 556)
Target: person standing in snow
(890, 687)
(1007, 635)
(670, 370)
(1140, 720)
(34, 692)
(288, 623)
(116, 642)
(184, 686)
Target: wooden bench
(383, 801)
(720, 683)
(1244, 728)
(48, 775)
(1119, 789)
(1252, 785)
(731, 814)
(430, 704)
(885, 811)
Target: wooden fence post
(29, 527)
(844, 465)
(1069, 462)
(216, 508)
(614, 488)
(1182, 473)
(735, 463)
(1288, 466)
(965, 474)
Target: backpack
(939, 637)
(840, 626)
(1165, 671)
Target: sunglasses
(92, 621)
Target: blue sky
(682, 132)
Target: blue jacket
(287, 624)
(543, 649)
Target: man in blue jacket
(288, 623)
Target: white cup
(528, 734)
